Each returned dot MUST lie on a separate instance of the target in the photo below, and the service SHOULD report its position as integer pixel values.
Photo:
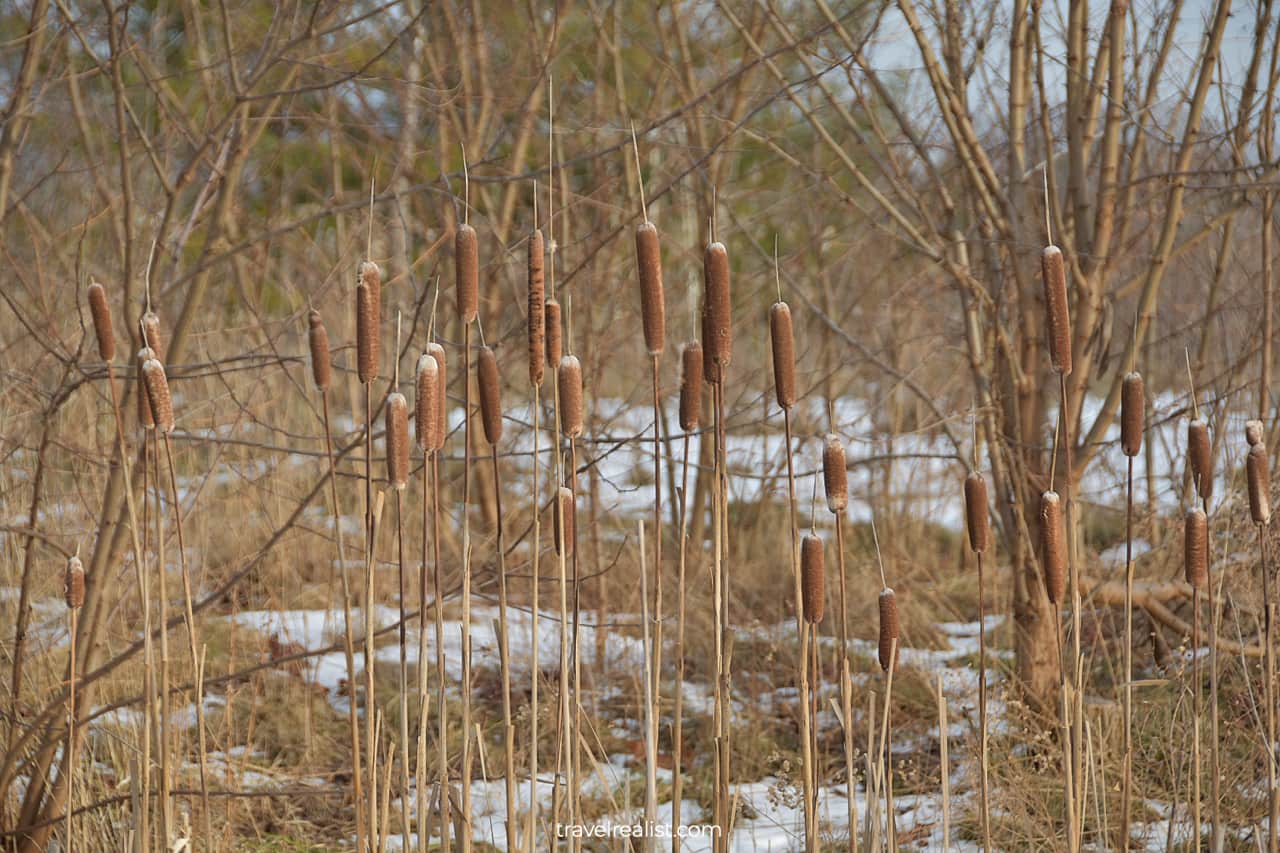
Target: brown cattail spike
(1195, 554)
(537, 312)
(835, 474)
(555, 337)
(145, 418)
(652, 308)
(490, 395)
(466, 259)
(717, 330)
(783, 343)
(564, 519)
(151, 337)
(397, 428)
(1053, 545)
(158, 393)
(1254, 432)
(370, 274)
(690, 386)
(975, 512)
(1132, 402)
(889, 631)
(570, 378)
(73, 583)
(426, 412)
(1258, 469)
(442, 402)
(367, 334)
(1200, 455)
(101, 313)
(321, 369)
(812, 578)
(1057, 317)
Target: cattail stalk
(979, 524)
(835, 481)
(397, 443)
(1200, 457)
(465, 805)
(1259, 477)
(1196, 565)
(690, 414)
(1053, 555)
(890, 637)
(73, 593)
(1132, 415)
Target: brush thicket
(466, 256)
(717, 328)
(100, 311)
(1057, 316)
(570, 379)
(318, 337)
(813, 578)
(490, 394)
(397, 435)
(690, 386)
(1053, 545)
(652, 308)
(537, 323)
(783, 346)
(1200, 457)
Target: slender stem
(657, 544)
(846, 687)
(166, 769)
(806, 725)
(370, 699)
(575, 754)
(677, 736)
(404, 672)
(442, 731)
(465, 842)
(1127, 770)
(71, 734)
(1073, 571)
(1196, 713)
(424, 701)
(504, 655)
(534, 666)
(1215, 766)
(1073, 841)
(1268, 692)
(886, 749)
(982, 704)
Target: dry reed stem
(652, 307)
(1057, 316)
(783, 348)
(1053, 545)
(73, 595)
(101, 313)
(979, 525)
(466, 258)
(490, 384)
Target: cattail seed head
(368, 341)
(321, 368)
(1053, 545)
(652, 309)
(442, 401)
(370, 274)
(570, 378)
(1258, 469)
(466, 260)
(555, 334)
(1195, 559)
(1132, 403)
(835, 474)
(975, 512)
(151, 337)
(889, 632)
(1200, 455)
(783, 343)
(145, 418)
(563, 521)
(101, 313)
(158, 393)
(426, 405)
(490, 395)
(537, 313)
(1254, 432)
(717, 329)
(690, 386)
(397, 428)
(812, 578)
(1057, 316)
(73, 583)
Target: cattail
(1131, 413)
(1258, 469)
(1254, 432)
(975, 512)
(73, 583)
(367, 334)
(397, 428)
(321, 369)
(1200, 456)
(812, 578)
(1195, 554)
(442, 402)
(101, 313)
(717, 332)
(426, 406)
(690, 386)
(1053, 545)
(888, 628)
(466, 261)
(652, 309)
(564, 518)
(151, 337)
(1058, 318)
(554, 336)
(570, 378)
(490, 395)
(145, 417)
(835, 474)
(537, 312)
(371, 275)
(158, 393)
(783, 341)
